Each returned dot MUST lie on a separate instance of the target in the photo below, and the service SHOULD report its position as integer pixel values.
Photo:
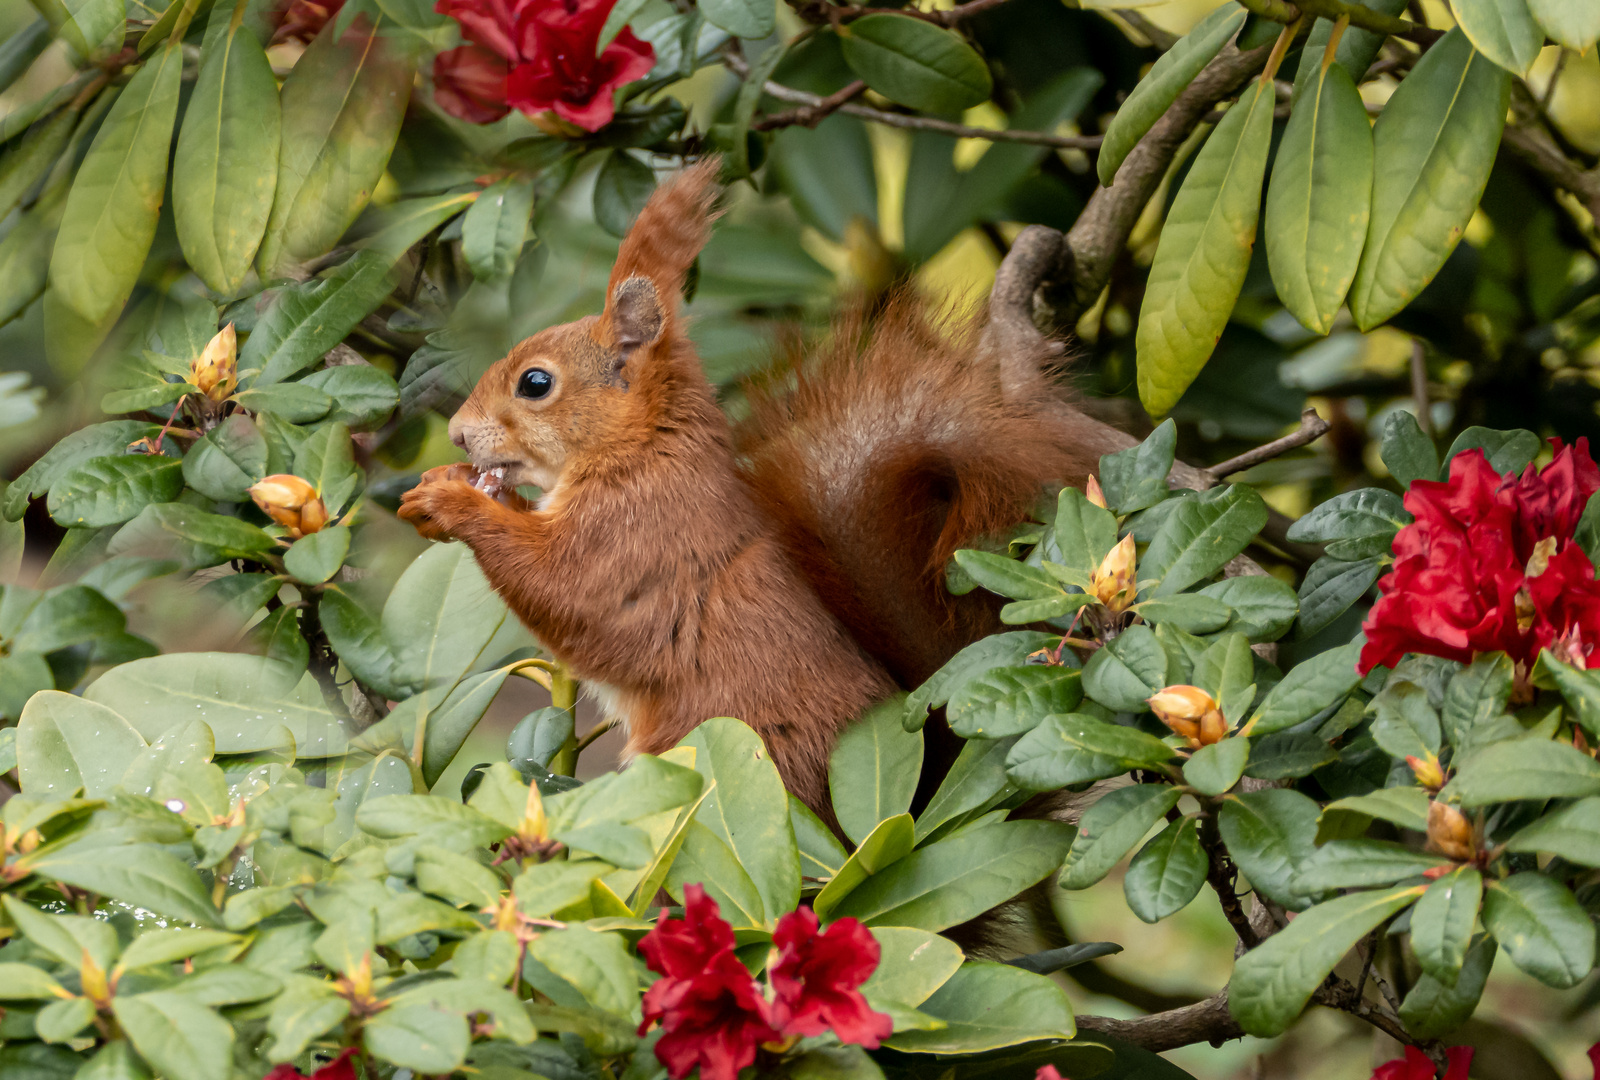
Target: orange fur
(791, 586)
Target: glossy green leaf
(28, 162)
(1272, 982)
(1580, 688)
(65, 616)
(1442, 922)
(420, 1037)
(1433, 1009)
(1126, 672)
(113, 489)
(1167, 78)
(1202, 536)
(1136, 478)
(1213, 770)
(1110, 828)
(1502, 30)
(1364, 512)
(308, 319)
(1320, 197)
(987, 1006)
(342, 108)
(1008, 577)
(1361, 863)
(1263, 606)
(1008, 701)
(1203, 253)
(1269, 834)
(977, 779)
(1167, 873)
(60, 1021)
(621, 188)
(752, 19)
(821, 854)
(24, 982)
(706, 861)
(221, 194)
(1406, 725)
(890, 842)
(912, 964)
(1310, 687)
(1572, 23)
(495, 226)
(915, 63)
(1289, 755)
(1330, 587)
(110, 216)
(1572, 832)
(873, 770)
(363, 397)
(1085, 533)
(1507, 451)
(139, 874)
(1477, 695)
(1072, 748)
(1408, 453)
(1541, 926)
(1528, 768)
(997, 650)
(156, 947)
(65, 742)
(440, 617)
(1433, 148)
(1405, 806)
(315, 558)
(230, 458)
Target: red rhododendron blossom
(1047, 1072)
(1417, 1066)
(1594, 1059)
(815, 980)
(340, 1068)
(1490, 565)
(537, 56)
(711, 1011)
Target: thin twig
(1158, 38)
(1555, 75)
(1419, 387)
(1283, 11)
(1312, 427)
(738, 66)
(811, 115)
(1221, 874)
(595, 732)
(819, 12)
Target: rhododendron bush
(268, 806)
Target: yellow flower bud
(533, 819)
(1191, 712)
(1449, 832)
(95, 986)
(1213, 728)
(1427, 771)
(1114, 584)
(291, 502)
(216, 370)
(1091, 489)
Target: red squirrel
(789, 573)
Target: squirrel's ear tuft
(663, 244)
(636, 315)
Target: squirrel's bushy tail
(900, 439)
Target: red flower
(711, 1011)
(340, 1068)
(537, 56)
(1490, 564)
(1416, 1065)
(1047, 1072)
(816, 976)
(1594, 1058)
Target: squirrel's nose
(458, 431)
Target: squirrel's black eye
(535, 383)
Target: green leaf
(29, 162)
(108, 490)
(308, 319)
(706, 861)
(891, 841)
(915, 63)
(65, 937)
(1502, 30)
(1008, 577)
(1364, 512)
(1263, 606)
(362, 396)
(60, 1021)
(546, 888)
(221, 194)
(1189, 612)
(94, 441)
(752, 19)
(65, 742)
(1272, 982)
(1541, 926)
(295, 402)
(306, 1009)
(873, 770)
(1330, 587)
(22, 674)
(1168, 77)
(1433, 148)
(495, 226)
(342, 108)
(1524, 769)
(1320, 195)
(1167, 873)
(315, 558)
(1202, 536)
(452, 720)
(912, 964)
(1032, 611)
(821, 854)
(1433, 1009)
(154, 948)
(1406, 451)
(1136, 478)
(1406, 807)
(749, 809)
(1110, 828)
(1361, 863)
(1572, 832)
(230, 458)
(1289, 755)
(1203, 252)
(978, 779)
(958, 878)
(1011, 700)
(1074, 748)
(66, 616)
(1310, 687)
(421, 1037)
(987, 1006)
(1406, 725)
(1508, 451)
(835, 1063)
(597, 964)
(356, 637)
(1442, 922)
(198, 538)
(1269, 834)
(241, 698)
(1213, 770)
(1581, 689)
(621, 188)
(8, 749)
(24, 982)
(439, 619)
(139, 874)
(114, 1061)
(1478, 694)
(747, 100)
(393, 230)
(110, 216)
(997, 650)
(1085, 533)
(1571, 23)
(1125, 672)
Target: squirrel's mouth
(490, 481)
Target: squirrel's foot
(444, 501)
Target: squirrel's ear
(636, 315)
(660, 248)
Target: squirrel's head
(590, 387)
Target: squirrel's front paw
(443, 500)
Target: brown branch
(820, 13)
(1312, 427)
(739, 67)
(811, 115)
(1282, 11)
(1419, 386)
(1205, 1021)
(1221, 874)
(1158, 38)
